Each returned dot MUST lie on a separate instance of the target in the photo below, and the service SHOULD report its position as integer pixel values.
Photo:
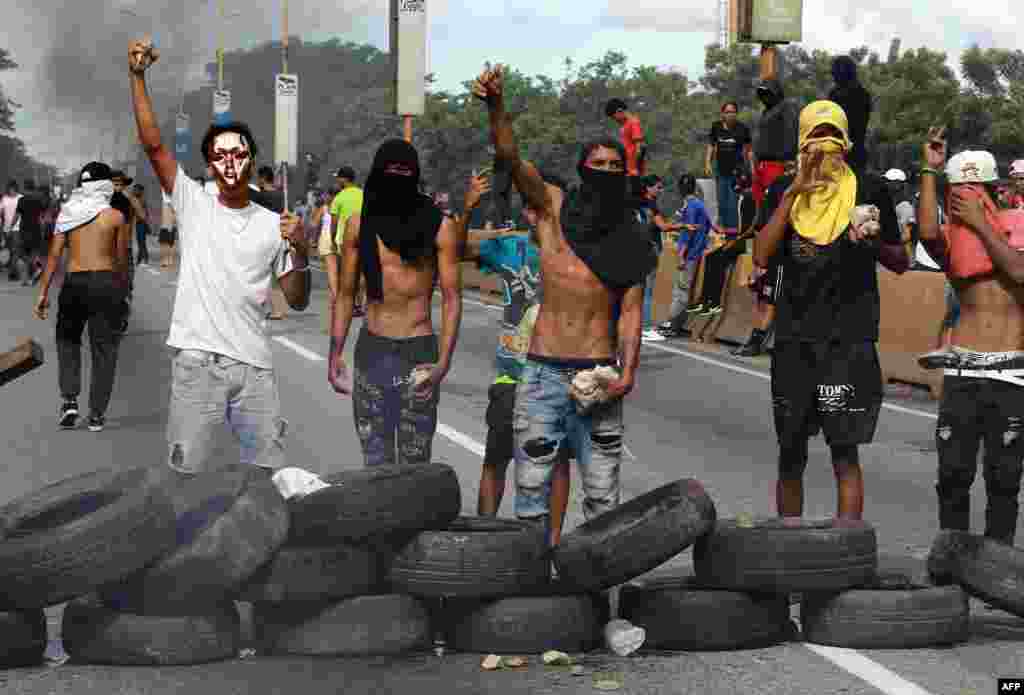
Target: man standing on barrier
(983, 389)
(594, 257)
(400, 244)
(230, 251)
(825, 370)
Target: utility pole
(220, 46)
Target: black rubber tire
(474, 557)
(891, 613)
(319, 574)
(68, 538)
(679, 614)
(360, 626)
(635, 537)
(526, 624)
(94, 633)
(991, 571)
(783, 556)
(229, 524)
(22, 638)
(376, 502)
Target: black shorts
(501, 401)
(168, 236)
(768, 286)
(832, 387)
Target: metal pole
(408, 128)
(284, 69)
(220, 47)
(769, 61)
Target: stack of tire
(745, 573)
(326, 591)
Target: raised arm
(928, 204)
(469, 248)
(140, 57)
(489, 88)
(450, 280)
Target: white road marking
(849, 660)
(737, 368)
(867, 670)
(295, 347)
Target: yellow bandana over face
(821, 216)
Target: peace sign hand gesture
(935, 148)
(807, 179)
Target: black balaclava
(844, 70)
(600, 224)
(395, 212)
(770, 93)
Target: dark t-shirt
(729, 144)
(30, 208)
(830, 293)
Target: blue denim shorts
(548, 428)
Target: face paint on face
(230, 158)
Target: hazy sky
(72, 80)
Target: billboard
(769, 21)
(286, 119)
(408, 47)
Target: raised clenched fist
(141, 54)
(488, 86)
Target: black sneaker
(68, 414)
(96, 423)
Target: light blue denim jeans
(210, 391)
(548, 428)
(649, 299)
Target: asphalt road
(696, 412)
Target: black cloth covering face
(395, 212)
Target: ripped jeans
(209, 391)
(547, 428)
(975, 410)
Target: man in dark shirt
(850, 94)
(729, 146)
(29, 213)
(825, 369)
(776, 137)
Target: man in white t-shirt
(230, 249)
(9, 217)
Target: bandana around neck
(86, 202)
(394, 211)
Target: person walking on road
(348, 202)
(825, 372)
(138, 200)
(231, 249)
(728, 149)
(9, 225)
(594, 258)
(98, 240)
(656, 226)
(696, 226)
(29, 215)
(168, 232)
(401, 244)
(983, 390)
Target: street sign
(222, 107)
(408, 47)
(769, 21)
(286, 119)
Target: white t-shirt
(212, 188)
(227, 260)
(9, 205)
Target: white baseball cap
(1017, 168)
(972, 167)
(895, 175)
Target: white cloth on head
(86, 202)
(297, 482)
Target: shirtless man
(983, 390)
(95, 285)
(594, 258)
(399, 244)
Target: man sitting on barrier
(825, 370)
(594, 259)
(983, 389)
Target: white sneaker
(652, 336)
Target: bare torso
(991, 314)
(94, 246)
(408, 289)
(575, 315)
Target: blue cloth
(693, 212)
(728, 216)
(516, 261)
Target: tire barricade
(484, 584)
